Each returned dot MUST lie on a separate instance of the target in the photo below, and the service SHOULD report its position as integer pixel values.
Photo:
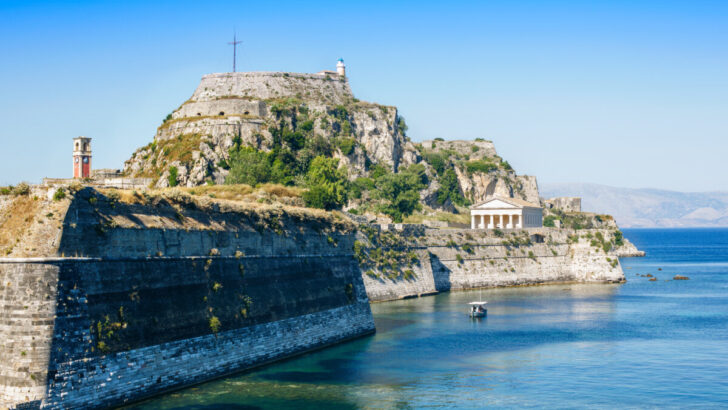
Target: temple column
(472, 221)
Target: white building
(505, 213)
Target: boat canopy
(477, 303)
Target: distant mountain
(648, 207)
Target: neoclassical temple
(505, 213)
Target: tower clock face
(85, 160)
(76, 160)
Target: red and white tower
(82, 157)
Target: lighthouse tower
(82, 157)
(341, 68)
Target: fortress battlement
(324, 87)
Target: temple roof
(516, 202)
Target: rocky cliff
(249, 108)
(295, 117)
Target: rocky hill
(254, 109)
(291, 118)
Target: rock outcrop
(228, 110)
(481, 172)
(246, 108)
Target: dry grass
(282, 191)
(180, 148)
(15, 220)
(229, 192)
(241, 199)
(427, 214)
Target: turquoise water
(640, 344)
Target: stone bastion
(106, 301)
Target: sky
(621, 93)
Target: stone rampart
(566, 204)
(139, 299)
(270, 85)
(456, 259)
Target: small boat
(477, 309)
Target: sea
(641, 344)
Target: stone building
(340, 69)
(566, 203)
(505, 213)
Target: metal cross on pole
(235, 43)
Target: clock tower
(82, 157)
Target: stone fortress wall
(566, 204)
(332, 89)
(446, 264)
(139, 299)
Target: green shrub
(468, 248)
(607, 246)
(480, 166)
(6, 190)
(550, 221)
(498, 233)
(248, 166)
(59, 194)
(474, 148)
(22, 189)
(618, 238)
(327, 183)
(439, 139)
(450, 189)
(401, 125)
(399, 193)
(438, 161)
(359, 186)
(215, 324)
(172, 179)
(346, 145)
(459, 259)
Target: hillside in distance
(648, 208)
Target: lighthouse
(341, 68)
(82, 157)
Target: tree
(172, 179)
(450, 189)
(248, 166)
(400, 192)
(327, 184)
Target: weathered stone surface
(566, 204)
(132, 315)
(230, 106)
(453, 259)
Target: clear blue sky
(624, 93)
